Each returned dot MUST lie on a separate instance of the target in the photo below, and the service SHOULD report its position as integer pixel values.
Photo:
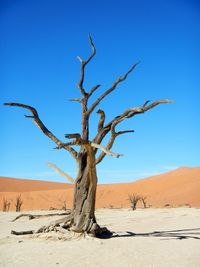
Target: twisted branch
(42, 127)
(129, 113)
(101, 120)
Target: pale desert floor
(149, 238)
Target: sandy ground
(135, 243)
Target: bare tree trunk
(83, 213)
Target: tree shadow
(179, 234)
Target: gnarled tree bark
(85, 193)
(82, 218)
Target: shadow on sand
(175, 234)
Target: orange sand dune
(22, 185)
(176, 188)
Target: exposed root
(22, 232)
(43, 229)
(102, 232)
(31, 217)
(55, 226)
(65, 228)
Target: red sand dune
(176, 188)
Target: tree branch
(134, 111)
(114, 85)
(101, 120)
(78, 140)
(42, 127)
(105, 150)
(111, 142)
(75, 100)
(94, 88)
(62, 173)
(31, 217)
(83, 64)
(73, 135)
(123, 132)
(145, 103)
(129, 113)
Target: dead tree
(144, 201)
(82, 218)
(134, 199)
(6, 205)
(64, 205)
(18, 203)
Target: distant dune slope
(176, 188)
(22, 185)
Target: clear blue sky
(40, 41)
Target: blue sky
(40, 42)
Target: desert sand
(179, 187)
(145, 237)
(153, 237)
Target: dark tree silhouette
(18, 203)
(6, 205)
(82, 218)
(134, 199)
(144, 201)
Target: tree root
(103, 232)
(64, 226)
(31, 217)
(55, 226)
(22, 232)
(43, 229)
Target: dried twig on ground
(31, 217)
